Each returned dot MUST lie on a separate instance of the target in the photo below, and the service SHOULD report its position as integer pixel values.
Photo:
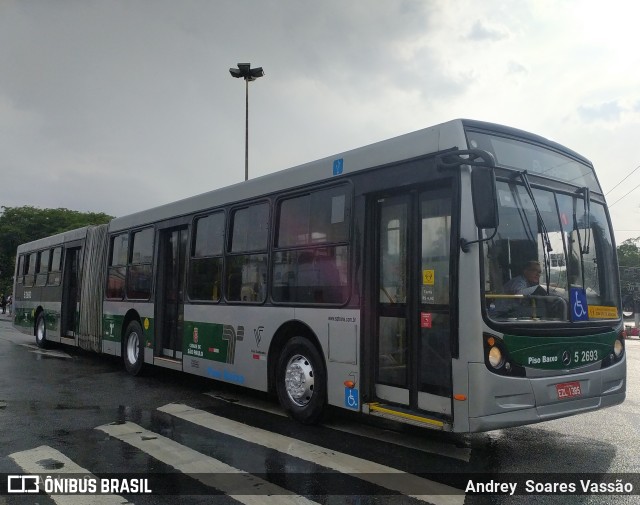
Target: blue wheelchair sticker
(578, 302)
(351, 400)
(338, 166)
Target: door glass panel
(436, 239)
(434, 369)
(435, 356)
(392, 351)
(393, 253)
(393, 339)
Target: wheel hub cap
(132, 348)
(299, 380)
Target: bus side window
(117, 266)
(43, 268)
(20, 270)
(30, 270)
(140, 268)
(205, 265)
(55, 277)
(247, 256)
(234, 286)
(310, 265)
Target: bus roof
(54, 240)
(449, 135)
(411, 145)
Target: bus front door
(412, 317)
(170, 309)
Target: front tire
(41, 331)
(301, 381)
(132, 350)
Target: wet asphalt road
(57, 398)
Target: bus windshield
(555, 265)
(536, 159)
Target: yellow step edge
(376, 407)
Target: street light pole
(246, 129)
(245, 71)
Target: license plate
(568, 390)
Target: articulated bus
(378, 280)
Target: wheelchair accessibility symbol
(579, 310)
(351, 399)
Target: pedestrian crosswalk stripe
(429, 445)
(206, 469)
(381, 475)
(40, 460)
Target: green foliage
(24, 224)
(629, 261)
(629, 253)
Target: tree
(629, 253)
(629, 261)
(24, 224)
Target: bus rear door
(70, 284)
(170, 292)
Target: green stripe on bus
(556, 353)
(209, 341)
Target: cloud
(513, 67)
(481, 31)
(608, 111)
(142, 89)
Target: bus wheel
(41, 331)
(301, 381)
(132, 351)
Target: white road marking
(206, 469)
(412, 442)
(381, 475)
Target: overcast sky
(120, 105)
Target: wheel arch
(39, 310)
(283, 334)
(131, 315)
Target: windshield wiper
(587, 221)
(583, 242)
(546, 241)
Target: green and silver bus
(377, 280)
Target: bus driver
(527, 283)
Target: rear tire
(301, 381)
(41, 331)
(132, 350)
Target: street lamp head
(245, 71)
(235, 72)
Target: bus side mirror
(485, 203)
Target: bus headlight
(495, 357)
(618, 348)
